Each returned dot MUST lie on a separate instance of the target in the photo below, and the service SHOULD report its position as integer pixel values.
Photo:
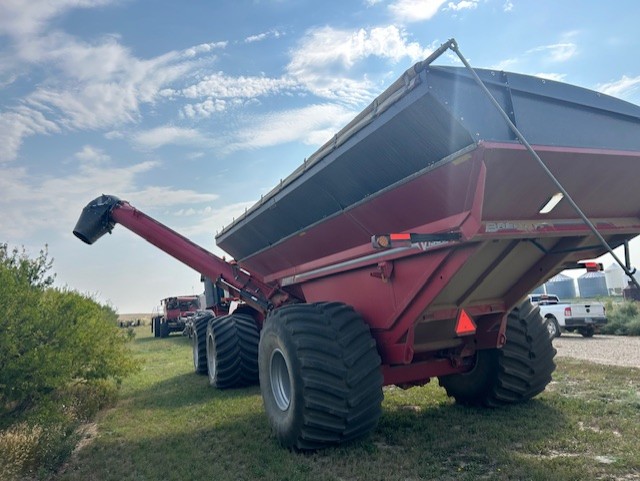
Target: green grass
(170, 425)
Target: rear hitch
(95, 220)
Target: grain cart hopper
(403, 248)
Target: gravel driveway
(612, 350)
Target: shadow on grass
(183, 390)
(229, 438)
(175, 337)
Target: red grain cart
(402, 250)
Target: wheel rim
(211, 357)
(551, 327)
(280, 380)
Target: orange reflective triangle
(465, 324)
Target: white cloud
(18, 123)
(53, 203)
(621, 88)
(558, 77)
(463, 5)
(213, 219)
(559, 52)
(19, 18)
(505, 64)
(415, 10)
(263, 36)
(92, 156)
(221, 86)
(325, 59)
(313, 125)
(204, 48)
(89, 85)
(508, 6)
(204, 109)
(167, 135)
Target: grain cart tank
(402, 249)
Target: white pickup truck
(560, 316)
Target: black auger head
(95, 220)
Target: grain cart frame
(425, 223)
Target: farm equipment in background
(174, 315)
(404, 248)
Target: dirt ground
(611, 350)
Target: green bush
(61, 358)
(51, 337)
(623, 319)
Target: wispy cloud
(89, 85)
(312, 125)
(19, 19)
(624, 87)
(90, 155)
(222, 86)
(325, 61)
(410, 11)
(49, 202)
(558, 77)
(167, 135)
(263, 36)
(558, 52)
(18, 123)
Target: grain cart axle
(403, 248)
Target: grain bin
(592, 284)
(615, 279)
(561, 286)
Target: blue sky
(191, 110)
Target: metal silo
(561, 286)
(592, 284)
(616, 279)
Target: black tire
(199, 343)
(164, 328)
(513, 374)
(156, 326)
(232, 351)
(320, 375)
(553, 327)
(587, 331)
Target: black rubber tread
(155, 327)
(235, 339)
(199, 343)
(336, 380)
(516, 373)
(164, 328)
(587, 331)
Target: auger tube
(101, 214)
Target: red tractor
(404, 249)
(176, 311)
